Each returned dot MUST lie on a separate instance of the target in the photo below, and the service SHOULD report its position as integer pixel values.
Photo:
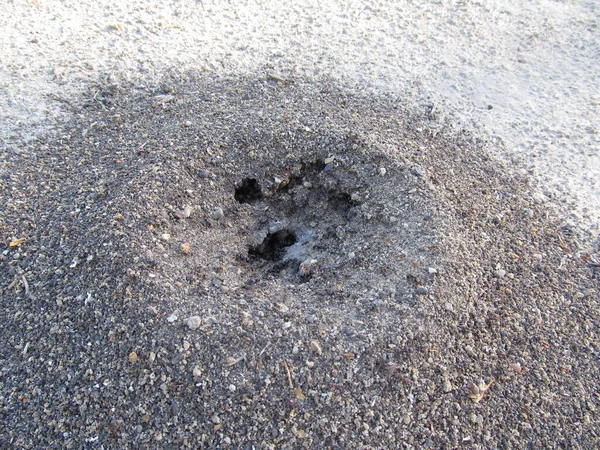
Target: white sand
(536, 63)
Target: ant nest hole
(342, 220)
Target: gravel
(308, 225)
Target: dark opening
(272, 248)
(340, 202)
(248, 191)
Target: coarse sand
(299, 225)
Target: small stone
(286, 325)
(382, 171)
(165, 236)
(422, 290)
(418, 171)
(500, 273)
(307, 184)
(197, 372)
(310, 364)
(172, 318)
(187, 211)
(516, 367)
(447, 386)
(316, 348)
(185, 248)
(307, 267)
(193, 322)
(282, 308)
(133, 357)
(217, 213)
(301, 434)
(355, 197)
(432, 271)
(351, 255)
(232, 388)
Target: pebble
(422, 290)
(193, 322)
(165, 236)
(382, 171)
(185, 248)
(172, 318)
(217, 213)
(447, 386)
(418, 171)
(500, 273)
(432, 271)
(316, 348)
(197, 372)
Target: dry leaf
(299, 394)
(16, 243)
(477, 391)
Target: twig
(289, 374)
(263, 350)
(12, 284)
(272, 76)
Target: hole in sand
(273, 247)
(248, 191)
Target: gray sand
(298, 225)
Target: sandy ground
(527, 72)
(298, 225)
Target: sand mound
(242, 263)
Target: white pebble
(172, 318)
(193, 322)
(217, 213)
